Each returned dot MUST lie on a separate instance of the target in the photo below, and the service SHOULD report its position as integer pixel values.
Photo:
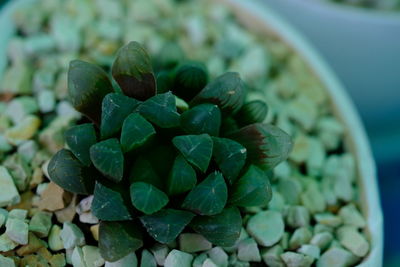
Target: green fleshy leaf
(69, 173)
(147, 198)
(118, 239)
(227, 91)
(230, 157)
(252, 112)
(161, 110)
(136, 131)
(204, 118)
(164, 82)
(143, 171)
(222, 229)
(197, 149)
(253, 189)
(87, 86)
(190, 78)
(266, 144)
(182, 177)
(165, 225)
(161, 159)
(209, 197)
(228, 126)
(133, 72)
(107, 157)
(115, 108)
(108, 204)
(79, 139)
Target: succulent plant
(186, 156)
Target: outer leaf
(209, 197)
(161, 110)
(107, 157)
(190, 79)
(87, 86)
(68, 172)
(147, 198)
(142, 171)
(252, 189)
(227, 91)
(79, 139)
(252, 112)
(165, 225)
(266, 145)
(204, 118)
(197, 149)
(108, 204)
(133, 72)
(182, 177)
(135, 132)
(115, 108)
(230, 157)
(222, 229)
(118, 239)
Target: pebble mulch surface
(313, 218)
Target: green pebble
(128, 261)
(271, 256)
(23, 130)
(17, 230)
(55, 241)
(190, 243)
(77, 258)
(266, 227)
(293, 259)
(6, 262)
(319, 228)
(316, 159)
(297, 216)
(351, 239)
(92, 257)
(284, 241)
(19, 107)
(248, 250)
(3, 217)
(46, 100)
(178, 258)
(313, 199)
(40, 223)
(6, 244)
(72, 236)
(277, 202)
(336, 257)
(199, 260)
(8, 192)
(4, 144)
(290, 189)
(19, 170)
(218, 256)
(209, 263)
(351, 216)
(310, 250)
(300, 237)
(322, 240)
(58, 260)
(160, 252)
(328, 219)
(27, 150)
(147, 259)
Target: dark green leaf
(252, 189)
(222, 229)
(79, 139)
(182, 177)
(252, 112)
(190, 78)
(69, 173)
(107, 157)
(227, 91)
(108, 204)
(118, 239)
(87, 86)
(133, 72)
(136, 131)
(204, 118)
(115, 108)
(230, 157)
(228, 126)
(266, 145)
(197, 149)
(161, 110)
(161, 158)
(143, 171)
(147, 198)
(209, 197)
(164, 82)
(165, 225)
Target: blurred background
(362, 46)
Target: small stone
(27, 150)
(351, 216)
(328, 219)
(297, 216)
(52, 199)
(58, 260)
(46, 101)
(23, 130)
(293, 259)
(55, 241)
(20, 107)
(147, 259)
(303, 111)
(88, 217)
(209, 263)
(284, 243)
(193, 243)
(178, 258)
(77, 257)
(199, 260)
(300, 237)
(3, 217)
(17, 230)
(67, 214)
(6, 244)
(129, 260)
(330, 132)
(352, 240)
(319, 228)
(41, 223)
(310, 250)
(8, 192)
(20, 214)
(322, 240)
(337, 257)
(160, 252)
(218, 256)
(19, 170)
(84, 205)
(52, 137)
(266, 227)
(316, 159)
(277, 202)
(92, 256)
(37, 179)
(301, 149)
(72, 236)
(271, 256)
(94, 229)
(41, 188)
(248, 250)
(313, 199)
(34, 244)
(6, 262)
(290, 189)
